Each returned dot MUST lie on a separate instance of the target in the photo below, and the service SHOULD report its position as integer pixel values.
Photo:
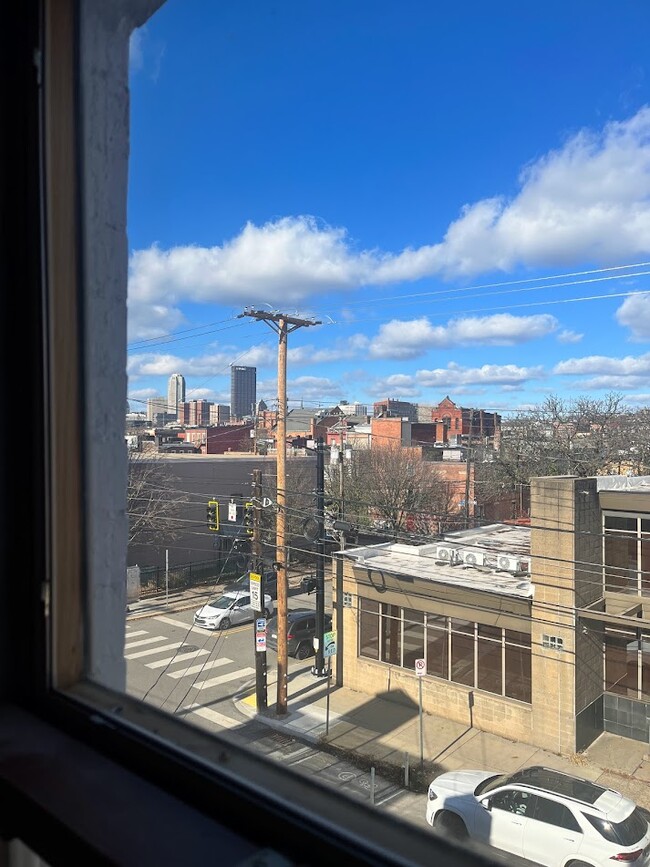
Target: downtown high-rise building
(175, 393)
(243, 391)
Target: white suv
(542, 815)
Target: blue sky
(459, 192)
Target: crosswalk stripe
(224, 678)
(141, 641)
(132, 633)
(152, 650)
(171, 622)
(200, 668)
(225, 722)
(180, 657)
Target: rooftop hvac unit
(471, 558)
(446, 553)
(511, 564)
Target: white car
(541, 815)
(231, 608)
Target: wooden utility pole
(258, 568)
(283, 325)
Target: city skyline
(484, 236)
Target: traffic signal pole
(318, 669)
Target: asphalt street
(196, 674)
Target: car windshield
(626, 833)
(491, 783)
(222, 602)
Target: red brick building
(459, 424)
(218, 440)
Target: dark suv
(301, 629)
(243, 583)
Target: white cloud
(136, 59)
(606, 365)
(488, 374)
(343, 350)
(568, 336)
(410, 338)
(312, 388)
(588, 200)
(634, 313)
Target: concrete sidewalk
(384, 731)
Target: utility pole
(283, 325)
(468, 465)
(258, 567)
(318, 669)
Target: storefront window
(621, 662)
(462, 652)
(490, 658)
(626, 554)
(369, 628)
(391, 634)
(518, 679)
(413, 639)
(479, 655)
(645, 667)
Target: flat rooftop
(495, 558)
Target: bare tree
(154, 503)
(392, 487)
(581, 437)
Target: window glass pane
(645, 525)
(490, 657)
(617, 522)
(489, 631)
(369, 605)
(391, 643)
(645, 565)
(518, 678)
(390, 610)
(413, 643)
(514, 637)
(437, 651)
(462, 652)
(554, 813)
(621, 564)
(412, 615)
(645, 667)
(621, 663)
(369, 630)
(438, 620)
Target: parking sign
(420, 666)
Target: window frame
(62, 736)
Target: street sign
(260, 624)
(420, 667)
(232, 511)
(256, 591)
(329, 643)
(260, 641)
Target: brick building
(458, 424)
(395, 409)
(542, 632)
(218, 440)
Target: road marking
(201, 630)
(225, 722)
(180, 657)
(224, 678)
(200, 668)
(132, 634)
(163, 619)
(142, 641)
(153, 650)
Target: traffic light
(249, 518)
(213, 515)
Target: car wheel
(303, 651)
(451, 824)
(225, 623)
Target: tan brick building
(540, 633)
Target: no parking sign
(420, 666)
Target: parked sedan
(301, 629)
(230, 609)
(542, 815)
